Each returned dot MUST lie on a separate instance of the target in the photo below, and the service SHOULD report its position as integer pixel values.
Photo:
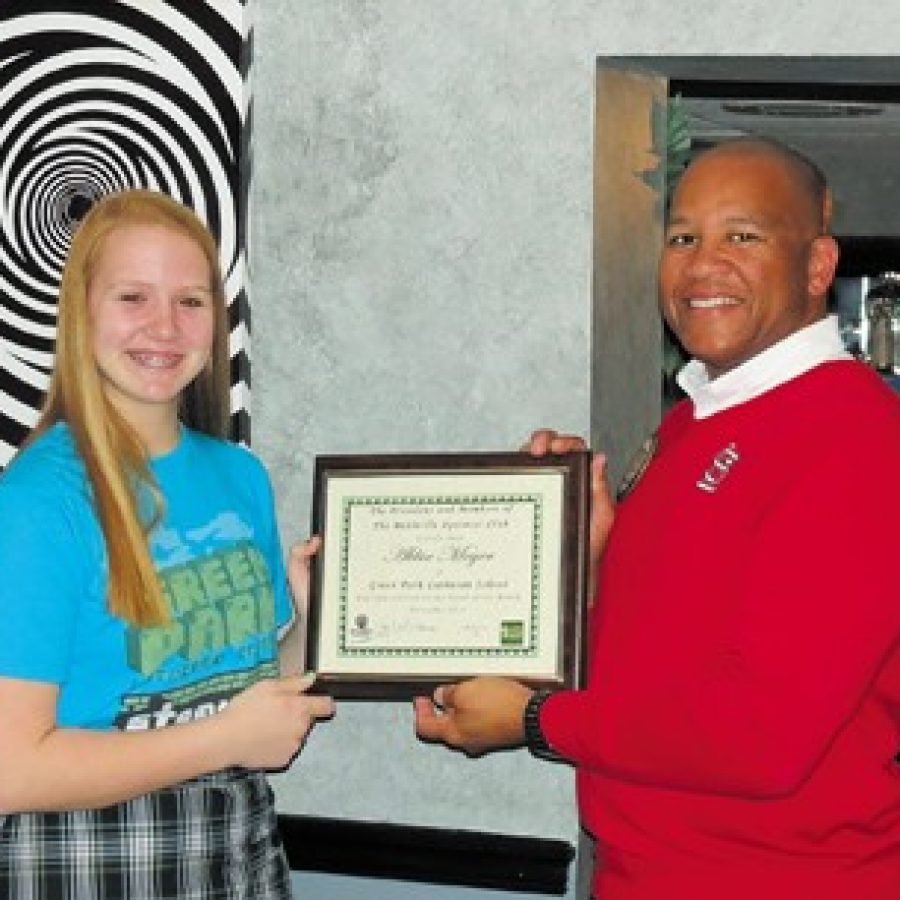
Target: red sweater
(738, 732)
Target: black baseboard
(430, 855)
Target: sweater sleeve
(817, 614)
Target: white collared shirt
(792, 356)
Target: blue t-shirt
(218, 554)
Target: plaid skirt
(211, 838)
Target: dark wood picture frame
(569, 536)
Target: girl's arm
(43, 767)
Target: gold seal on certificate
(438, 567)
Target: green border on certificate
(510, 634)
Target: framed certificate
(439, 567)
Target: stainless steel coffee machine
(868, 310)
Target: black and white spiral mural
(97, 96)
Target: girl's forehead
(149, 254)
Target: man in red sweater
(738, 733)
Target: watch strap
(531, 725)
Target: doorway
(842, 112)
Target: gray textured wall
(421, 270)
(422, 211)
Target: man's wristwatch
(531, 723)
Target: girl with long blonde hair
(144, 588)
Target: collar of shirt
(792, 356)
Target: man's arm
(759, 698)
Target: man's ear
(823, 259)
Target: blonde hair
(113, 455)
